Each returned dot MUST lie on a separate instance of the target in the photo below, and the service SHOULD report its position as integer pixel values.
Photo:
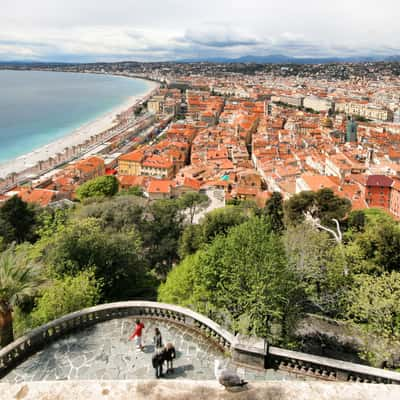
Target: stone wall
(196, 390)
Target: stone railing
(327, 368)
(23, 347)
(244, 350)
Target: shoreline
(74, 138)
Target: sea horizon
(40, 107)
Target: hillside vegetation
(255, 271)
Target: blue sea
(38, 107)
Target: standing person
(168, 355)
(157, 339)
(137, 334)
(157, 361)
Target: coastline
(73, 139)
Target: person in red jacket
(137, 334)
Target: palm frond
(19, 278)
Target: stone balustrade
(38, 338)
(327, 368)
(252, 352)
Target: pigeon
(227, 378)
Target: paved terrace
(93, 344)
(103, 352)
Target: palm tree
(19, 280)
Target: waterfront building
(129, 164)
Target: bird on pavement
(226, 377)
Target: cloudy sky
(99, 30)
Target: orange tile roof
(160, 186)
(132, 180)
(135, 156)
(192, 183)
(43, 197)
(156, 161)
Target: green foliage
(191, 240)
(132, 191)
(192, 202)
(380, 246)
(51, 221)
(356, 221)
(103, 186)
(376, 216)
(217, 222)
(161, 232)
(17, 221)
(375, 302)
(320, 264)
(116, 214)
(252, 274)
(274, 212)
(240, 277)
(65, 295)
(178, 288)
(323, 204)
(387, 247)
(19, 278)
(116, 258)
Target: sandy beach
(76, 137)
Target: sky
(152, 30)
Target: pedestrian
(169, 355)
(157, 339)
(137, 334)
(157, 361)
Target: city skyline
(174, 30)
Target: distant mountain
(270, 59)
(31, 63)
(281, 59)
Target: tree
(191, 240)
(115, 214)
(274, 212)
(18, 280)
(17, 221)
(387, 252)
(380, 245)
(218, 222)
(102, 186)
(357, 221)
(330, 206)
(192, 202)
(161, 231)
(178, 288)
(323, 205)
(65, 295)
(241, 280)
(318, 263)
(132, 191)
(116, 258)
(375, 302)
(296, 207)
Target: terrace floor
(103, 352)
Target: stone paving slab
(103, 352)
(198, 390)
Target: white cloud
(170, 29)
